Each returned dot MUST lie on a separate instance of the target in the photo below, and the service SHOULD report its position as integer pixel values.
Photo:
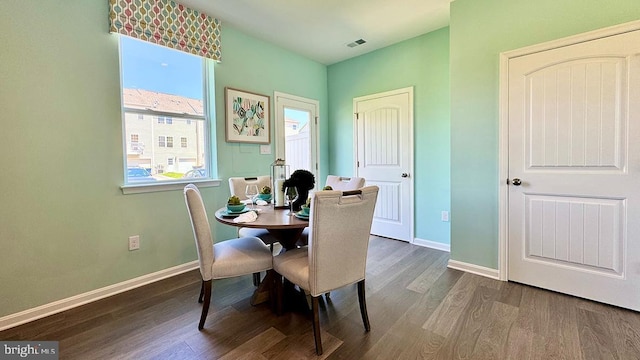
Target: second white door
(384, 157)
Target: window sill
(166, 186)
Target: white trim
(474, 269)
(282, 100)
(432, 244)
(55, 307)
(166, 186)
(503, 191)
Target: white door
(384, 157)
(296, 132)
(574, 165)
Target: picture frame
(247, 117)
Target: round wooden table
(284, 227)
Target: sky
(157, 68)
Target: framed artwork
(247, 117)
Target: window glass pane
(163, 92)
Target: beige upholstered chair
(237, 187)
(224, 259)
(341, 183)
(340, 225)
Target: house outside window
(158, 107)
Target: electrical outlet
(445, 216)
(134, 242)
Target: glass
(165, 124)
(279, 172)
(291, 193)
(251, 191)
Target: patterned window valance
(166, 23)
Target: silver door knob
(404, 175)
(516, 182)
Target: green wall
(421, 62)
(64, 222)
(480, 30)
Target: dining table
(282, 224)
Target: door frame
(503, 157)
(314, 134)
(407, 90)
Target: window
(163, 93)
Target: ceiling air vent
(356, 43)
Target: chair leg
(256, 279)
(279, 290)
(363, 305)
(316, 325)
(201, 292)
(205, 305)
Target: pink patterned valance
(166, 23)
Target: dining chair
(341, 183)
(344, 183)
(237, 186)
(340, 224)
(229, 258)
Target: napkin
(249, 216)
(261, 202)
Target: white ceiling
(321, 29)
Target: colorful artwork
(247, 117)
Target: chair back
(344, 183)
(201, 229)
(340, 226)
(237, 185)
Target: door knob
(516, 182)
(404, 175)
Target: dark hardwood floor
(418, 309)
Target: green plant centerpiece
(328, 187)
(306, 206)
(265, 194)
(234, 204)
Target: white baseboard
(432, 244)
(474, 269)
(55, 307)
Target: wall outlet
(134, 242)
(445, 216)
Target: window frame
(208, 120)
